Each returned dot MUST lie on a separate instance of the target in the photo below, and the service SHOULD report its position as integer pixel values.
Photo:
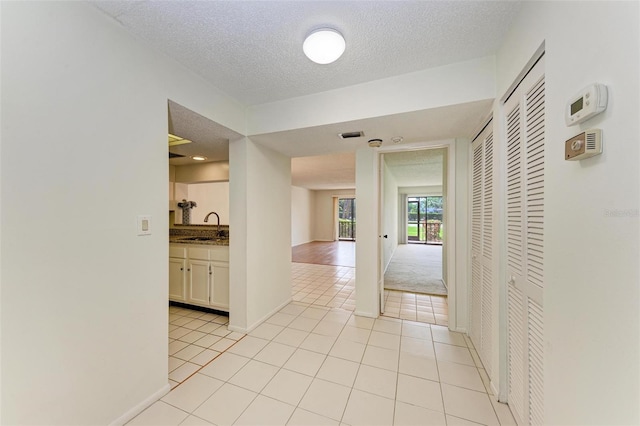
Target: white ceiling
(332, 171)
(207, 137)
(423, 167)
(252, 50)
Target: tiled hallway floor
(195, 338)
(416, 307)
(334, 286)
(317, 365)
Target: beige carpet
(416, 268)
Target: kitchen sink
(199, 239)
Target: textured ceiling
(252, 50)
(333, 171)
(416, 168)
(422, 167)
(209, 138)
(455, 121)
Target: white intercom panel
(584, 145)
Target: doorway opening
(424, 220)
(347, 219)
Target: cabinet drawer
(179, 252)
(198, 253)
(219, 253)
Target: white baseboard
(366, 314)
(139, 408)
(252, 327)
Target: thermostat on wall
(590, 101)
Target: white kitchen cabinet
(177, 275)
(199, 281)
(205, 279)
(220, 285)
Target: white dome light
(324, 46)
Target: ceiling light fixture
(324, 46)
(177, 140)
(198, 157)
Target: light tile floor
(195, 338)
(324, 285)
(416, 307)
(318, 365)
(334, 286)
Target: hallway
(315, 362)
(317, 280)
(314, 365)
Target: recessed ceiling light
(324, 46)
(397, 139)
(198, 157)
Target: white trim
(450, 235)
(143, 405)
(525, 70)
(366, 314)
(261, 320)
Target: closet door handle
(385, 235)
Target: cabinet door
(199, 279)
(220, 285)
(177, 270)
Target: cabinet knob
(182, 269)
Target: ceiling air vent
(349, 135)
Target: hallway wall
(390, 216)
(84, 298)
(303, 213)
(592, 226)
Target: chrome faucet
(206, 219)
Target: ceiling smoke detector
(375, 143)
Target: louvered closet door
(525, 137)
(482, 245)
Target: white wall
(210, 197)
(325, 213)
(390, 217)
(215, 171)
(367, 253)
(421, 190)
(447, 85)
(260, 254)
(591, 296)
(84, 299)
(302, 215)
(459, 236)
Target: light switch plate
(144, 224)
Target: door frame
(457, 291)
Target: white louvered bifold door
(482, 245)
(525, 137)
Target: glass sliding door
(347, 219)
(424, 220)
(413, 219)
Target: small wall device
(590, 101)
(585, 145)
